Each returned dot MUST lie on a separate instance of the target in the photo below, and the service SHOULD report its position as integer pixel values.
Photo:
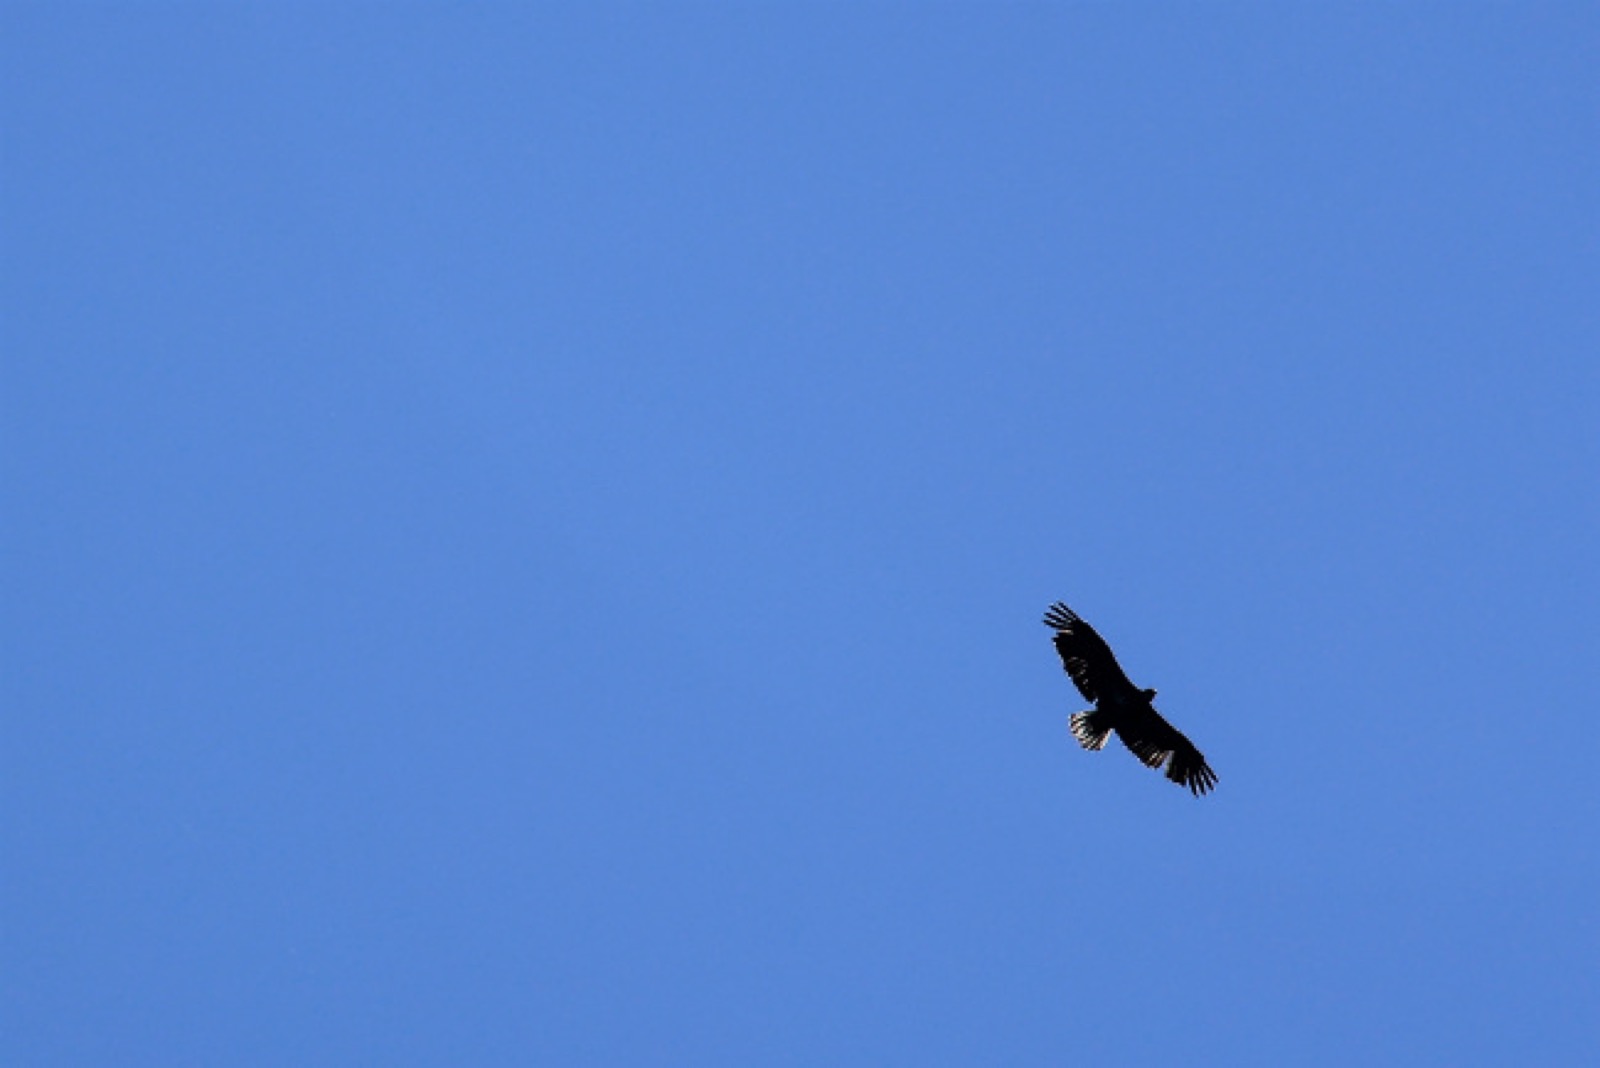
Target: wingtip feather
(1059, 616)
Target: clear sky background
(525, 529)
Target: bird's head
(1149, 695)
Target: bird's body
(1120, 706)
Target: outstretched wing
(1085, 655)
(1158, 744)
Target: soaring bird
(1121, 706)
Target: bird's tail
(1090, 728)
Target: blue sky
(525, 529)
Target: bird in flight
(1121, 706)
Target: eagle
(1121, 706)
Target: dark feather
(1085, 655)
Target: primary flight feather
(1120, 706)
